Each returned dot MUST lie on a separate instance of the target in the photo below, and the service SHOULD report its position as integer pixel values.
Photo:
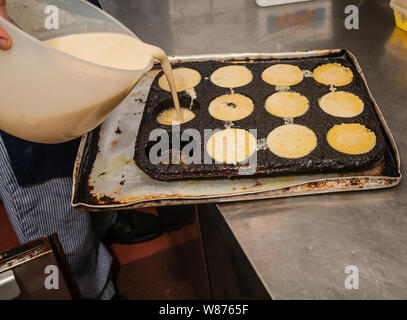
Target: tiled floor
(168, 267)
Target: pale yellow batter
(291, 141)
(185, 78)
(118, 51)
(333, 74)
(231, 76)
(108, 49)
(231, 107)
(341, 104)
(287, 104)
(231, 145)
(170, 116)
(282, 75)
(351, 138)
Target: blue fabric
(36, 162)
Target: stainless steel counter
(301, 246)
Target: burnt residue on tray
(323, 158)
(83, 191)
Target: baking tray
(105, 176)
(322, 158)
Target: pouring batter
(36, 185)
(117, 50)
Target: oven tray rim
(324, 185)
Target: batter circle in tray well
(231, 76)
(185, 79)
(164, 111)
(287, 104)
(351, 138)
(282, 75)
(291, 141)
(341, 104)
(231, 107)
(231, 145)
(169, 117)
(333, 74)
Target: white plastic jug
(49, 96)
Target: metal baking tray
(322, 158)
(106, 177)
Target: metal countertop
(301, 246)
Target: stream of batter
(118, 51)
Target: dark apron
(34, 163)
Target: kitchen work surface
(300, 246)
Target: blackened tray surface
(322, 158)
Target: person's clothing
(37, 162)
(35, 187)
(131, 227)
(44, 208)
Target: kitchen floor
(168, 267)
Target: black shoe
(134, 227)
(176, 217)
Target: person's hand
(5, 40)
